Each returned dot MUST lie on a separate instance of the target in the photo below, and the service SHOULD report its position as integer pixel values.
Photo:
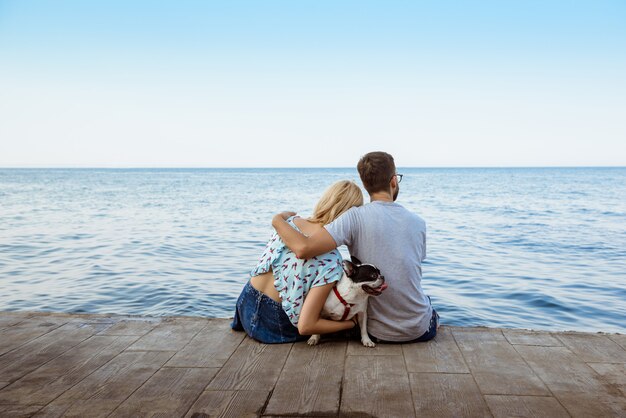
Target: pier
(56, 365)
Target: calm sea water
(529, 248)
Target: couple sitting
(300, 279)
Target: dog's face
(366, 276)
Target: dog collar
(346, 305)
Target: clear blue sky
(312, 83)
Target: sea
(535, 248)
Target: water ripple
(529, 248)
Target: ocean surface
(539, 248)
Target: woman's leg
(245, 310)
(273, 325)
(237, 325)
(263, 318)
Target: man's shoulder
(414, 219)
(406, 213)
(369, 210)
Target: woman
(283, 300)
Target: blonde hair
(337, 199)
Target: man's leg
(432, 329)
(428, 335)
(349, 334)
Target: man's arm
(319, 243)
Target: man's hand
(304, 247)
(287, 214)
(281, 218)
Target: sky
(312, 83)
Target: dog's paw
(367, 342)
(314, 340)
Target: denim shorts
(263, 319)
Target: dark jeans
(355, 333)
(263, 319)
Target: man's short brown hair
(376, 170)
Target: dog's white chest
(334, 309)
(347, 300)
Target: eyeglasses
(399, 176)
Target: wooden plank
(170, 335)
(8, 319)
(525, 406)
(447, 395)
(169, 393)
(620, 339)
(355, 348)
(585, 405)
(578, 387)
(26, 330)
(378, 386)
(79, 318)
(594, 348)
(18, 411)
(92, 318)
(137, 327)
(252, 366)
(28, 357)
(53, 378)
(211, 347)
(229, 404)
(105, 389)
(525, 337)
(21, 314)
(440, 354)
(615, 374)
(310, 383)
(496, 366)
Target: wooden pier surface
(54, 365)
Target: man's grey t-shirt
(393, 239)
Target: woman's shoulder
(305, 227)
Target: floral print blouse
(294, 277)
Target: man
(387, 235)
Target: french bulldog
(350, 294)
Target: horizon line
(69, 167)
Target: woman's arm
(310, 322)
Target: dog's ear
(349, 268)
(356, 260)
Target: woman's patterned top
(294, 277)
